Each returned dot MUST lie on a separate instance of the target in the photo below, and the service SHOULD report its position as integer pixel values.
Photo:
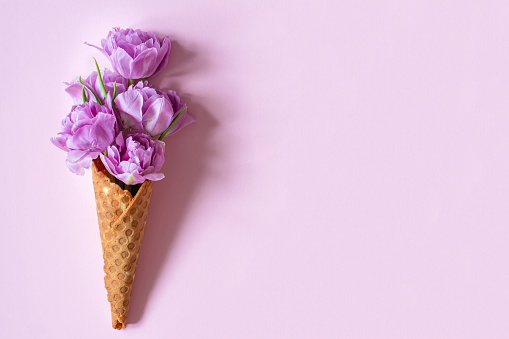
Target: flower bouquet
(116, 127)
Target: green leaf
(100, 78)
(179, 114)
(114, 91)
(83, 94)
(99, 101)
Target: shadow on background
(187, 155)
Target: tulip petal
(59, 141)
(98, 48)
(145, 64)
(130, 105)
(121, 62)
(135, 158)
(74, 90)
(158, 116)
(163, 55)
(187, 119)
(154, 176)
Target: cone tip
(119, 325)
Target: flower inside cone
(116, 128)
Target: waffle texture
(122, 221)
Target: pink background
(348, 176)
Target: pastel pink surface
(347, 176)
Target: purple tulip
(181, 119)
(135, 54)
(135, 158)
(143, 108)
(74, 88)
(86, 132)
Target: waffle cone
(122, 220)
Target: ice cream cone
(122, 220)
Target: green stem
(183, 110)
(105, 93)
(99, 101)
(114, 91)
(83, 94)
